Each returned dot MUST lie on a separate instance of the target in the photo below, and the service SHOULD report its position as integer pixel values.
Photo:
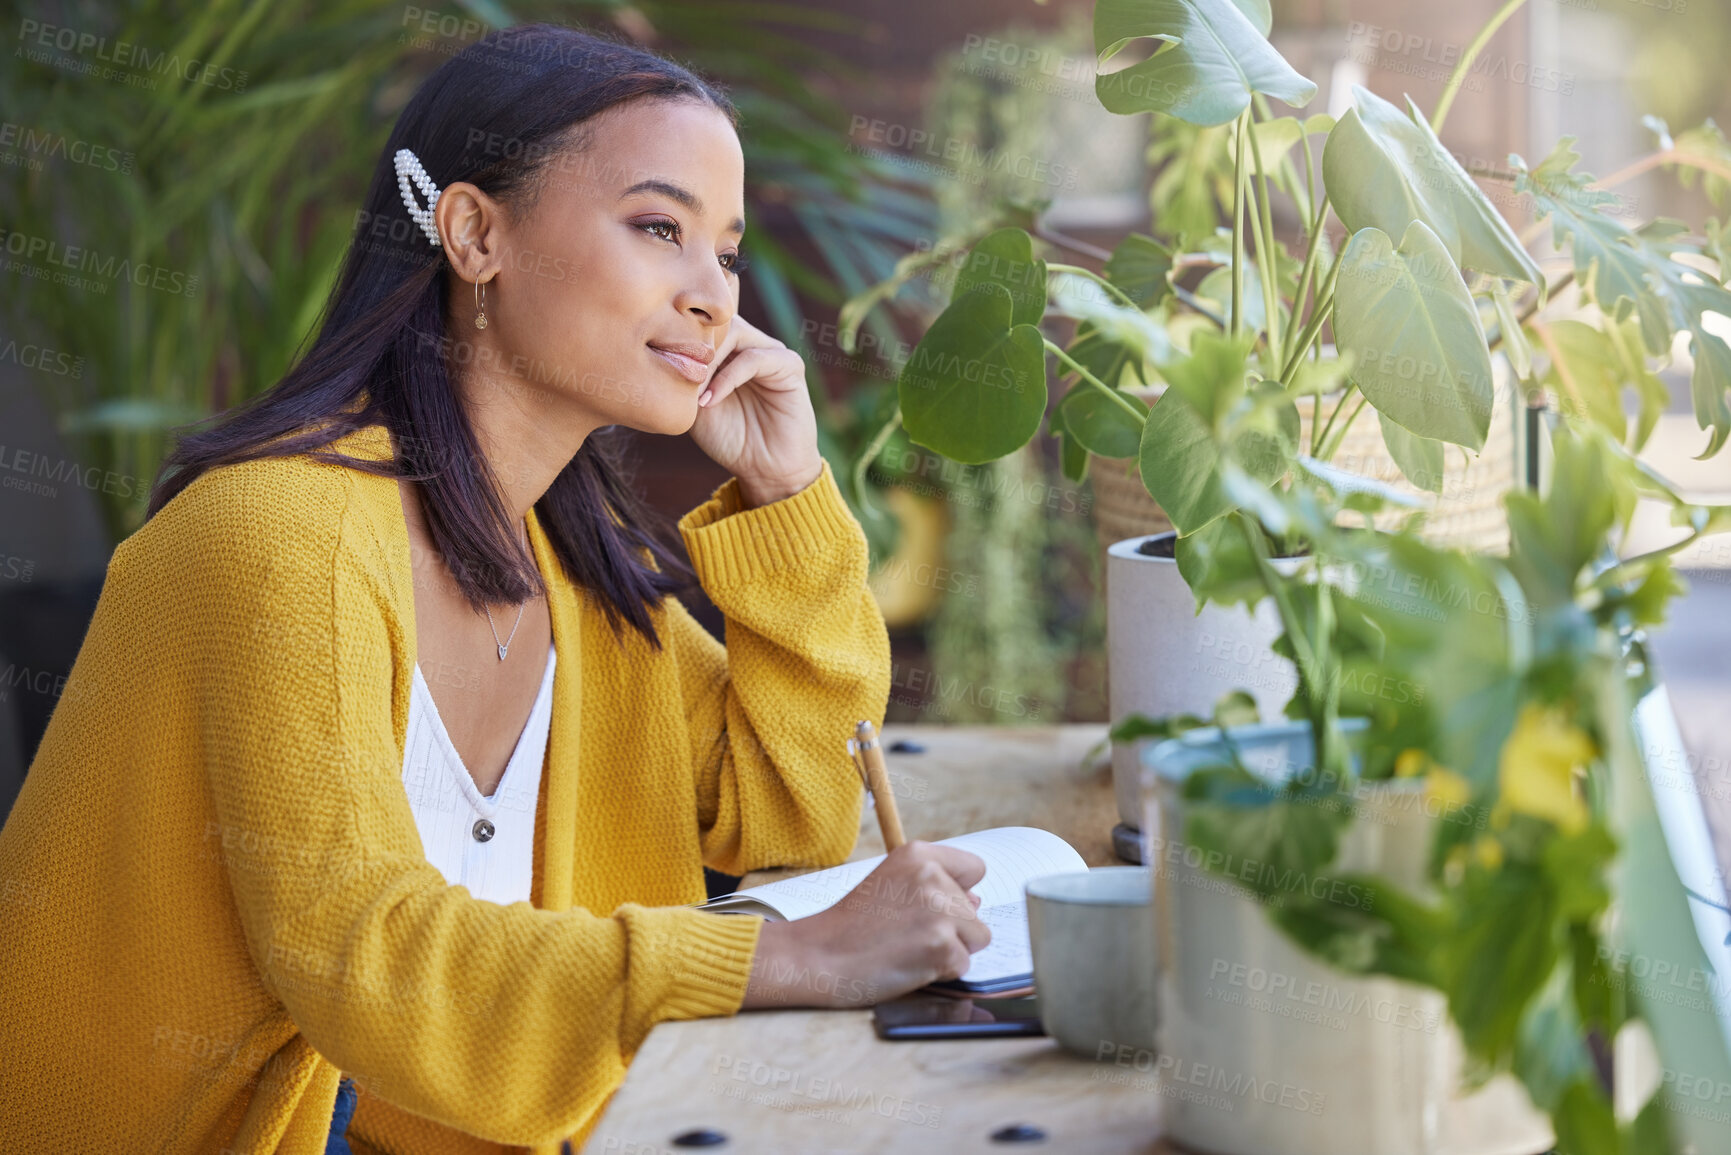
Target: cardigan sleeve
(504, 1021)
(807, 657)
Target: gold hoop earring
(480, 305)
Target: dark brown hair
(493, 115)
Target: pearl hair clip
(409, 166)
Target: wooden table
(804, 1082)
(807, 1082)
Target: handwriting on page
(1013, 855)
(1008, 953)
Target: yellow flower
(1447, 787)
(1488, 851)
(1410, 763)
(1537, 768)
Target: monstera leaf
(1212, 56)
(974, 388)
(1385, 168)
(1419, 353)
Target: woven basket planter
(1468, 514)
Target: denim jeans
(338, 1143)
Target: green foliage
(995, 658)
(1193, 180)
(1208, 58)
(1005, 257)
(1409, 328)
(1592, 365)
(1386, 169)
(974, 387)
(1420, 458)
(1233, 708)
(1024, 649)
(1141, 267)
(1209, 409)
(1635, 271)
(1292, 829)
(1406, 317)
(1110, 337)
(1217, 564)
(1099, 425)
(1508, 660)
(1491, 681)
(911, 267)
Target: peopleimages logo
(1244, 980)
(847, 1097)
(78, 259)
(1274, 880)
(1232, 1087)
(1407, 52)
(40, 357)
(37, 469)
(36, 36)
(48, 145)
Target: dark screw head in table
(907, 746)
(1019, 1133)
(702, 1137)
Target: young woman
(388, 760)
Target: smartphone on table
(938, 1017)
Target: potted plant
(1440, 829)
(1430, 282)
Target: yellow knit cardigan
(213, 898)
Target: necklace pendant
(505, 645)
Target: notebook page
(1008, 954)
(1013, 855)
(803, 896)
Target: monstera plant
(1429, 281)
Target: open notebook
(1012, 854)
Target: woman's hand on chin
(755, 419)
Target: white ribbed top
(448, 806)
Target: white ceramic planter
(1165, 658)
(1266, 1049)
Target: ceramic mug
(1092, 935)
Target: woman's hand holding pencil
(910, 922)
